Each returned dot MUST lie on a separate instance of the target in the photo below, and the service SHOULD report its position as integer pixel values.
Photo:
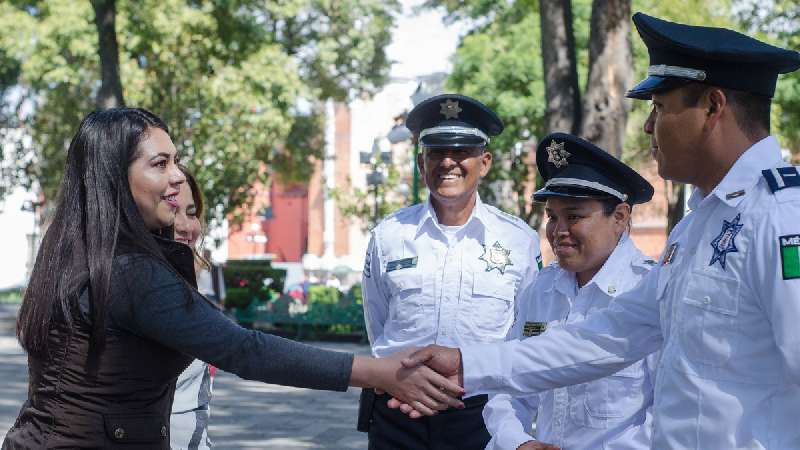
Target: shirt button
(706, 300)
(163, 430)
(119, 433)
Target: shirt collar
(744, 174)
(608, 278)
(428, 215)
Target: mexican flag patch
(790, 256)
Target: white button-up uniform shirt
(729, 376)
(609, 413)
(422, 287)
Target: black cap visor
(655, 83)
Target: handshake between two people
(422, 381)
(435, 377)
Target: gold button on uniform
(119, 433)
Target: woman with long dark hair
(111, 316)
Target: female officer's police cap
(576, 168)
(681, 53)
(452, 120)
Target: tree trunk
(605, 108)
(110, 94)
(676, 197)
(563, 111)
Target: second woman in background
(191, 405)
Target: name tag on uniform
(398, 264)
(533, 328)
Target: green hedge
(353, 295)
(323, 294)
(244, 280)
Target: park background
(291, 114)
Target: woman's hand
(444, 360)
(418, 387)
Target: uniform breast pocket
(708, 319)
(490, 308)
(408, 304)
(616, 397)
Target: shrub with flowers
(249, 279)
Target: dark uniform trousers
(452, 429)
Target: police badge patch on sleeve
(790, 256)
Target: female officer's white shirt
(729, 373)
(424, 285)
(612, 412)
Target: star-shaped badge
(450, 109)
(496, 257)
(724, 243)
(557, 154)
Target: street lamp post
(32, 207)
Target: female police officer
(589, 195)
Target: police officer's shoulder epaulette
(515, 220)
(779, 178)
(547, 271)
(550, 267)
(402, 215)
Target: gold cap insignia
(450, 109)
(557, 154)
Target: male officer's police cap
(716, 56)
(574, 167)
(452, 120)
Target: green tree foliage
(499, 62)
(239, 82)
(779, 23)
(494, 65)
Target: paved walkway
(244, 414)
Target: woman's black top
(156, 324)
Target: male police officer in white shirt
(589, 195)
(447, 271)
(724, 303)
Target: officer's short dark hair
(751, 111)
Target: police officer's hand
(536, 445)
(423, 390)
(444, 360)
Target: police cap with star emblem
(680, 54)
(452, 120)
(574, 167)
